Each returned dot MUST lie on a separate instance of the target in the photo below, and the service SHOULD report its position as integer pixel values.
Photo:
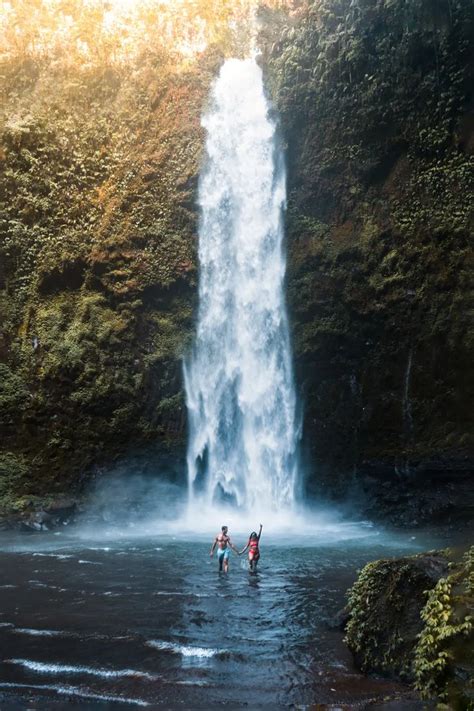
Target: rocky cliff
(98, 266)
(376, 108)
(98, 173)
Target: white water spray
(241, 402)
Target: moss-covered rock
(412, 618)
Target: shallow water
(150, 621)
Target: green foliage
(451, 180)
(344, 58)
(377, 630)
(14, 394)
(362, 597)
(98, 166)
(13, 473)
(447, 635)
(91, 32)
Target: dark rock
(423, 492)
(62, 509)
(410, 619)
(340, 619)
(384, 607)
(376, 263)
(41, 516)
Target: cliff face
(98, 174)
(97, 254)
(376, 107)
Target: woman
(254, 552)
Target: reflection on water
(152, 622)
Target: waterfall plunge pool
(108, 621)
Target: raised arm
(213, 547)
(260, 532)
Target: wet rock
(411, 619)
(37, 521)
(384, 611)
(62, 510)
(340, 619)
(436, 490)
(41, 515)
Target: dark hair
(253, 534)
(226, 527)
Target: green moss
(383, 624)
(14, 473)
(14, 394)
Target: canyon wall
(98, 273)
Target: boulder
(385, 605)
(412, 619)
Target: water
(239, 381)
(120, 623)
(407, 410)
(407, 405)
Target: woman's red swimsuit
(254, 553)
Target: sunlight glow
(115, 31)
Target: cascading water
(243, 436)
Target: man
(224, 544)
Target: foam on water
(319, 526)
(39, 633)
(45, 668)
(185, 650)
(59, 556)
(74, 691)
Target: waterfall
(240, 394)
(407, 411)
(406, 403)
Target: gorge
(236, 285)
(99, 255)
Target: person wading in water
(254, 552)
(224, 544)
